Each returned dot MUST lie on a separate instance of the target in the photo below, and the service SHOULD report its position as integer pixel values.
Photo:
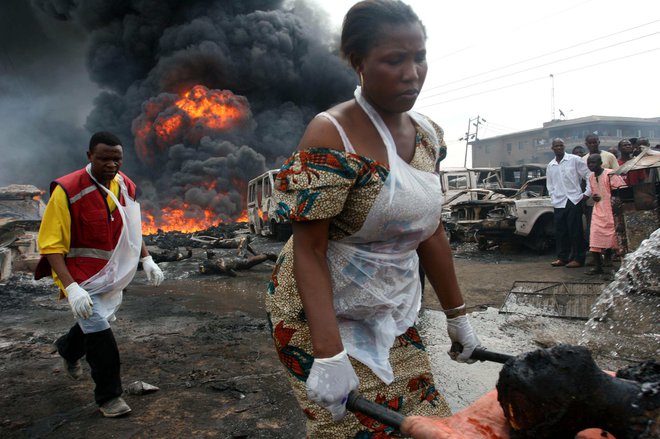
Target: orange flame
(213, 106)
(170, 119)
(243, 218)
(167, 119)
(176, 219)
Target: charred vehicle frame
(526, 217)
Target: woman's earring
(361, 80)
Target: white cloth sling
(106, 287)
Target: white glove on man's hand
(330, 381)
(81, 303)
(460, 331)
(152, 270)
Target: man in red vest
(91, 242)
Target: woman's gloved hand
(152, 270)
(330, 381)
(460, 331)
(81, 303)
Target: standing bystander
(563, 177)
(579, 151)
(633, 176)
(592, 142)
(625, 151)
(603, 235)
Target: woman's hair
(362, 23)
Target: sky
(487, 59)
(493, 59)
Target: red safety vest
(94, 229)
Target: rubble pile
(21, 210)
(173, 240)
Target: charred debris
(223, 249)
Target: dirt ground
(203, 340)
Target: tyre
(541, 238)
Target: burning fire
(173, 218)
(176, 219)
(167, 120)
(216, 108)
(170, 119)
(184, 217)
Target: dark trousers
(102, 354)
(569, 233)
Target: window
(267, 189)
(259, 190)
(508, 148)
(521, 145)
(457, 182)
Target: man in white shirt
(564, 175)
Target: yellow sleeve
(55, 229)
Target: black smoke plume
(277, 56)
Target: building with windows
(533, 146)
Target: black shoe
(73, 369)
(114, 408)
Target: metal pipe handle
(357, 403)
(481, 354)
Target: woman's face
(395, 68)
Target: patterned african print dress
(321, 183)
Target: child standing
(602, 237)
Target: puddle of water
(216, 294)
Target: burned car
(526, 217)
(474, 195)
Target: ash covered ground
(204, 341)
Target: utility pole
(475, 122)
(552, 96)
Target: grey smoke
(278, 54)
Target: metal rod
(357, 403)
(481, 354)
(485, 355)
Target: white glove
(460, 331)
(152, 270)
(81, 303)
(330, 381)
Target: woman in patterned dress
(365, 205)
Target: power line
(538, 78)
(512, 31)
(538, 66)
(543, 55)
